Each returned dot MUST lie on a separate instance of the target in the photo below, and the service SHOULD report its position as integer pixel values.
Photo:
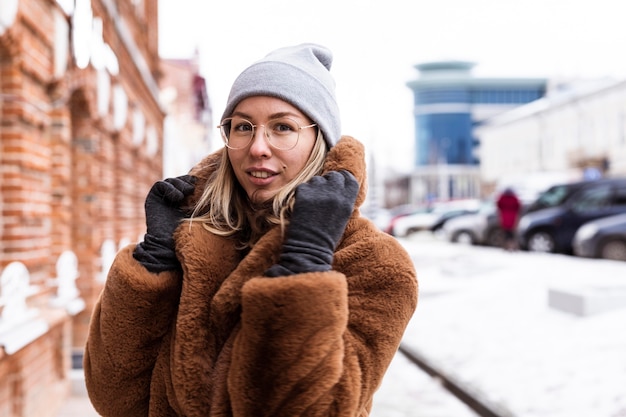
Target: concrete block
(587, 300)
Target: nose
(260, 146)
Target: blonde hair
(225, 209)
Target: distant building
(578, 130)
(449, 103)
(189, 127)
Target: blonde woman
(259, 290)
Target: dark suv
(555, 195)
(552, 229)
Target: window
(620, 195)
(593, 198)
(442, 95)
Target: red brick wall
(34, 381)
(68, 180)
(61, 180)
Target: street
(488, 319)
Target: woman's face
(262, 170)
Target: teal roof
(458, 74)
(445, 66)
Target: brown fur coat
(222, 340)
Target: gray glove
(163, 215)
(320, 215)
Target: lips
(260, 174)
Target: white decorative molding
(110, 60)
(97, 57)
(95, 50)
(68, 296)
(126, 36)
(104, 92)
(20, 336)
(8, 12)
(19, 324)
(82, 24)
(67, 6)
(120, 107)
(14, 289)
(61, 43)
(108, 250)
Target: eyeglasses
(282, 133)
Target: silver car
(604, 238)
(481, 228)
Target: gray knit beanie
(300, 75)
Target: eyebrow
(272, 116)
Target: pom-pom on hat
(300, 75)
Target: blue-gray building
(449, 102)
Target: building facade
(188, 128)
(81, 130)
(449, 103)
(577, 131)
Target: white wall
(557, 133)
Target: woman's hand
(163, 215)
(320, 214)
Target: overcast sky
(377, 43)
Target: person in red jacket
(509, 208)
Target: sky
(376, 45)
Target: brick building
(81, 128)
(189, 130)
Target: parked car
(380, 216)
(483, 227)
(552, 229)
(554, 196)
(603, 238)
(433, 218)
(401, 211)
(480, 228)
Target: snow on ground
(407, 391)
(484, 317)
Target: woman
(259, 289)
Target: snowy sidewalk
(484, 318)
